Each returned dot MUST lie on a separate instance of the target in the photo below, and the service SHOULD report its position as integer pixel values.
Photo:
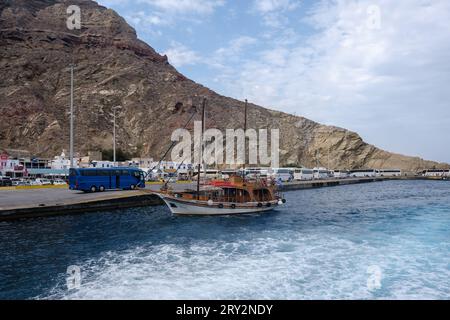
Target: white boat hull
(191, 208)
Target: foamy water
(324, 244)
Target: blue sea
(384, 240)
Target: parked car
(5, 182)
(43, 182)
(25, 182)
(59, 182)
(16, 182)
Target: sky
(379, 68)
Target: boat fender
(284, 200)
(210, 202)
(259, 205)
(233, 206)
(220, 206)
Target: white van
(341, 174)
(283, 174)
(321, 173)
(303, 174)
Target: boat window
(261, 194)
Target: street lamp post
(71, 116)
(114, 133)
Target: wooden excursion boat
(220, 197)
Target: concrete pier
(42, 204)
(312, 184)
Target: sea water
(384, 240)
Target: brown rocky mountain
(114, 68)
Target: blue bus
(93, 180)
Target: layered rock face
(113, 67)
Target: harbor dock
(51, 202)
(43, 202)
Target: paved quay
(29, 198)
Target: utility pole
(317, 159)
(328, 164)
(71, 116)
(114, 137)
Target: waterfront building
(3, 160)
(84, 161)
(142, 163)
(95, 155)
(102, 164)
(61, 162)
(35, 163)
(87, 160)
(11, 167)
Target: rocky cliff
(113, 67)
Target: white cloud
(143, 18)
(234, 47)
(185, 6)
(266, 6)
(352, 73)
(155, 13)
(273, 11)
(179, 55)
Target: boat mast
(203, 134)
(245, 137)
(201, 149)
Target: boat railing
(239, 199)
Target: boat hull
(193, 208)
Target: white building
(102, 164)
(142, 163)
(11, 167)
(61, 162)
